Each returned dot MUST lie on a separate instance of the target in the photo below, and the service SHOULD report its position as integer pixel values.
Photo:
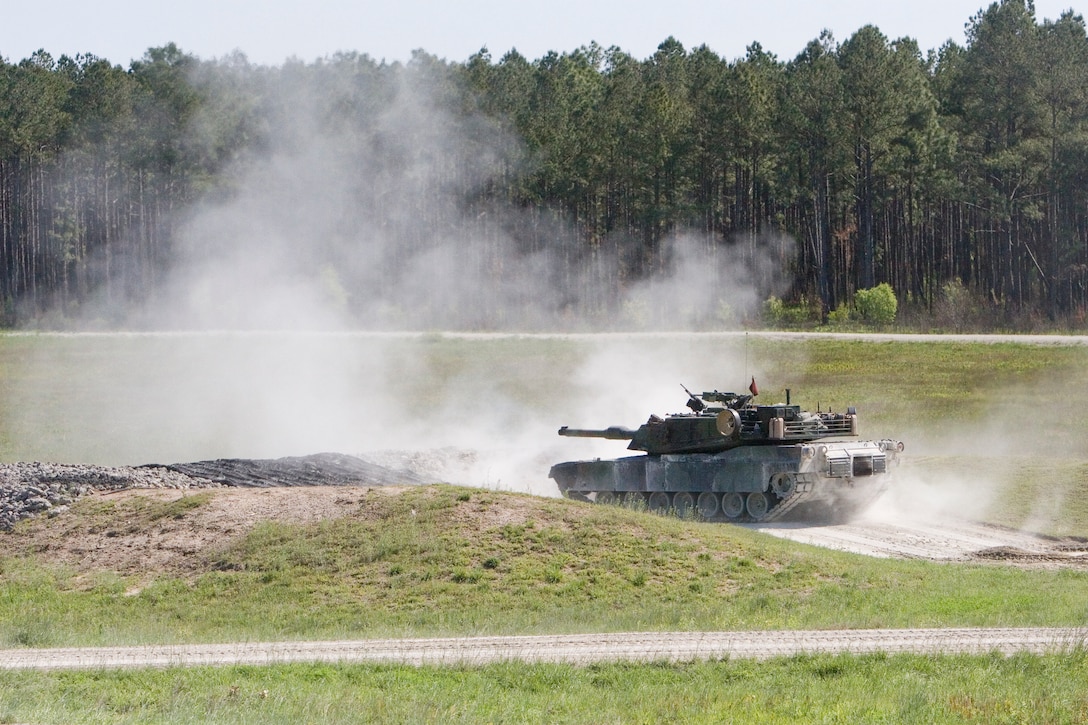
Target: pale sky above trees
(270, 31)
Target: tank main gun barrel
(614, 433)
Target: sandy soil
(178, 545)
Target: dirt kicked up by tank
(729, 459)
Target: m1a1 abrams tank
(729, 459)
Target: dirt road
(576, 649)
(941, 539)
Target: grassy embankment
(568, 567)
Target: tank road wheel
(605, 498)
(708, 504)
(783, 485)
(732, 505)
(757, 505)
(659, 502)
(683, 503)
(634, 500)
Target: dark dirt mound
(320, 469)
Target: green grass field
(1006, 415)
(824, 689)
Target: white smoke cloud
(707, 286)
(365, 209)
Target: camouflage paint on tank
(729, 459)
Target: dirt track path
(943, 539)
(577, 649)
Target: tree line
(961, 171)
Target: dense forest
(585, 187)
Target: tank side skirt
(743, 471)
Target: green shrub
(778, 312)
(773, 309)
(878, 305)
(839, 316)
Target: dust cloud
(926, 495)
(367, 205)
(477, 410)
(277, 326)
(1003, 463)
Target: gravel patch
(34, 489)
(31, 489)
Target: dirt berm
(321, 469)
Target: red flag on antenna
(753, 389)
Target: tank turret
(721, 421)
(730, 458)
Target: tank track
(807, 503)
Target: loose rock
(29, 489)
